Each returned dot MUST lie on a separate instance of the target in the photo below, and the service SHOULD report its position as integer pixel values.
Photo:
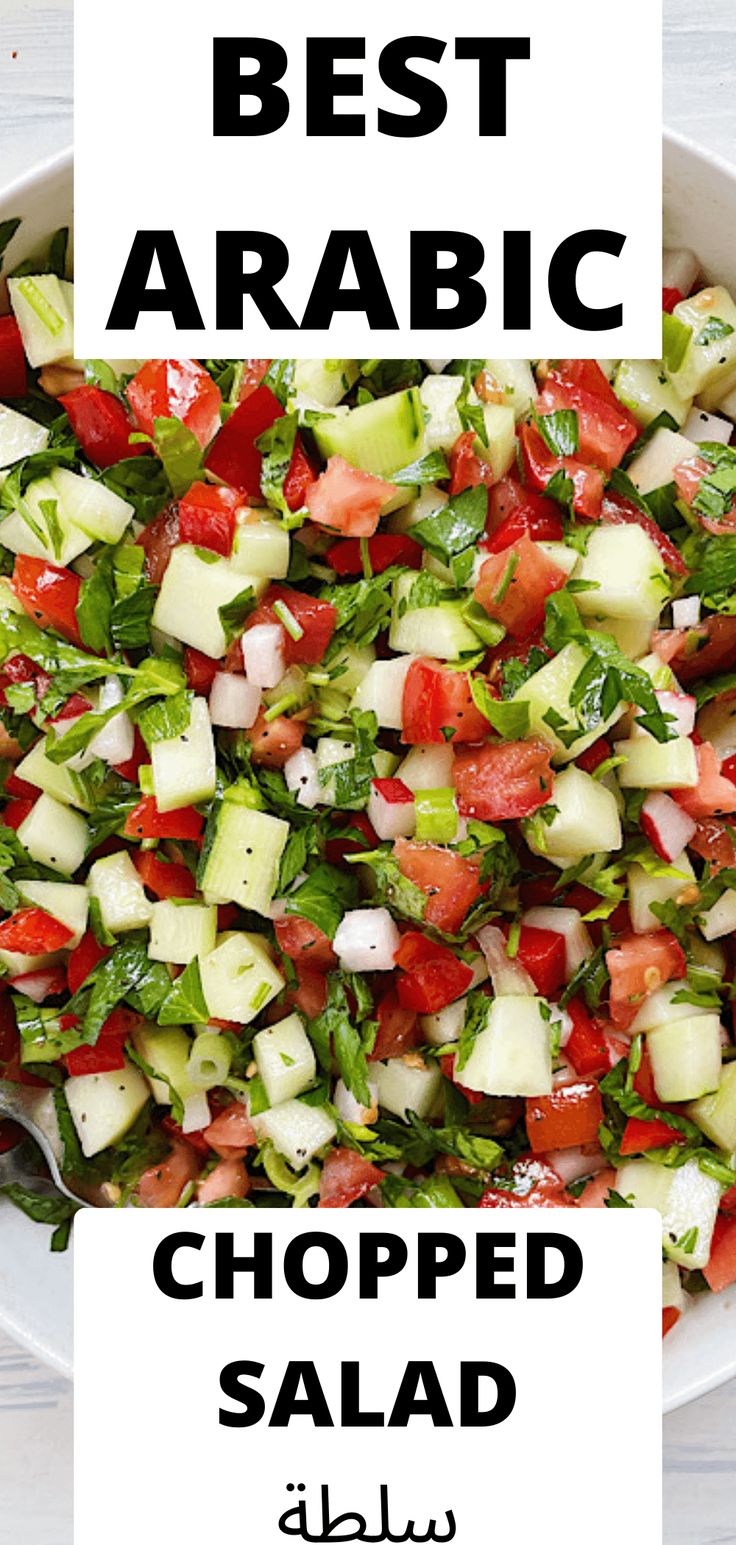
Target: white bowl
(36, 1287)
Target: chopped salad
(369, 780)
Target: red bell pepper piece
(49, 594)
(101, 425)
(207, 517)
(567, 1118)
(586, 1048)
(639, 1136)
(33, 932)
(447, 1067)
(178, 388)
(234, 456)
(200, 669)
(346, 557)
(13, 373)
(83, 959)
(670, 299)
(130, 769)
(16, 811)
(542, 953)
(146, 820)
(432, 986)
(164, 879)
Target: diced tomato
(447, 1065)
(567, 1118)
(207, 517)
(644, 1081)
(18, 788)
(639, 1136)
(365, 838)
(595, 1193)
(49, 594)
(540, 466)
(300, 939)
(638, 964)
(701, 651)
(13, 375)
(670, 1316)
(515, 511)
(251, 376)
(348, 500)
(415, 949)
(346, 557)
(183, 825)
(670, 299)
(606, 430)
(163, 1183)
(721, 1269)
(200, 669)
(713, 794)
(276, 742)
(618, 511)
(316, 619)
(16, 811)
(437, 699)
(449, 881)
(228, 1179)
(196, 1140)
(230, 1134)
(728, 1200)
(227, 916)
(158, 542)
(586, 1048)
(106, 1057)
(163, 878)
(300, 476)
(176, 388)
(310, 994)
(716, 842)
(101, 425)
(234, 457)
(346, 1177)
(594, 755)
(467, 470)
(83, 959)
(587, 373)
(514, 585)
(10, 1133)
(49, 982)
(398, 1031)
(503, 781)
(542, 953)
(33, 932)
(430, 986)
(533, 1183)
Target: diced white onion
(436, 365)
(367, 940)
(234, 702)
(668, 827)
(263, 654)
(575, 1164)
(390, 819)
(115, 742)
(702, 426)
(681, 707)
(350, 1109)
(686, 611)
(302, 778)
(680, 269)
(507, 976)
(196, 1113)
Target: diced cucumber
(565, 557)
(720, 919)
(629, 576)
(350, 666)
(261, 546)
(166, 1049)
(645, 389)
(103, 1106)
(325, 381)
(686, 1057)
(586, 818)
(8, 599)
(193, 589)
(516, 379)
(439, 396)
(446, 1025)
(654, 467)
(439, 631)
(331, 752)
(19, 537)
(427, 767)
(54, 835)
(285, 1059)
(99, 512)
(115, 883)
(500, 451)
(711, 353)
(380, 437)
(381, 690)
(673, 1295)
(184, 767)
(403, 1087)
(428, 501)
(647, 888)
(512, 1053)
(243, 861)
(660, 674)
(550, 688)
(44, 310)
(19, 436)
(632, 634)
(239, 977)
(54, 778)
(17, 964)
(68, 903)
(181, 930)
(297, 1131)
(715, 1113)
(688, 1200)
(654, 764)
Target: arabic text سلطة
(350, 1526)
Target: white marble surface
(35, 1406)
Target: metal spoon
(34, 1110)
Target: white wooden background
(36, 1406)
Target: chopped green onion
(46, 313)
(676, 337)
(299, 1187)
(209, 1060)
(436, 812)
(293, 628)
(512, 948)
(365, 558)
(284, 703)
